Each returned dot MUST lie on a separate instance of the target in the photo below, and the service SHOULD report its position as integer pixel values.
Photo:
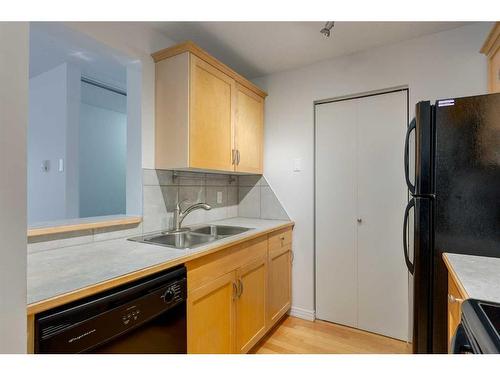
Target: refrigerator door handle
(411, 127)
(409, 264)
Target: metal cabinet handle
(237, 157)
(233, 156)
(235, 290)
(453, 299)
(240, 283)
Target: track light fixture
(326, 30)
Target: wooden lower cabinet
(235, 296)
(280, 277)
(251, 304)
(211, 316)
(455, 299)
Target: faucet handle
(178, 206)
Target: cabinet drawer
(205, 269)
(280, 239)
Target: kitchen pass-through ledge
(72, 225)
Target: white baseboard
(302, 313)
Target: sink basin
(190, 238)
(181, 240)
(220, 231)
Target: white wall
(441, 65)
(14, 46)
(102, 152)
(71, 167)
(137, 40)
(47, 141)
(134, 193)
(54, 104)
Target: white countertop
(480, 276)
(62, 270)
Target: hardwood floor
(298, 336)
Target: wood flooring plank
(297, 336)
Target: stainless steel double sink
(188, 238)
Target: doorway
(360, 193)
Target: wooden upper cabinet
(491, 48)
(211, 130)
(208, 117)
(249, 130)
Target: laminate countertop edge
(477, 277)
(454, 275)
(61, 299)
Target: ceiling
(52, 44)
(256, 49)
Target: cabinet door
(251, 304)
(455, 300)
(249, 130)
(211, 122)
(211, 316)
(280, 277)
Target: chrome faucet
(180, 215)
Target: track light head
(327, 29)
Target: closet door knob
(360, 220)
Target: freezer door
(421, 268)
(424, 149)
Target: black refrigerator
(455, 202)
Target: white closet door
(336, 212)
(361, 277)
(382, 274)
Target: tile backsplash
(244, 196)
(163, 189)
(257, 200)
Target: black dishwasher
(145, 316)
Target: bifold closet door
(382, 197)
(361, 277)
(336, 269)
